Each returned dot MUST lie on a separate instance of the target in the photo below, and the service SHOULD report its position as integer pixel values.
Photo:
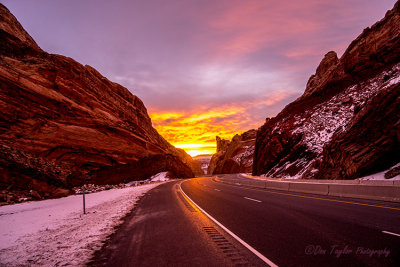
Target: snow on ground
(159, 177)
(55, 232)
(381, 175)
(162, 176)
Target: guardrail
(374, 190)
(366, 182)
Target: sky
(202, 67)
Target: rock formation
(371, 142)
(346, 124)
(204, 161)
(235, 156)
(58, 115)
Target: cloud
(202, 68)
(202, 125)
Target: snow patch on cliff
(246, 157)
(319, 124)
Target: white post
(84, 204)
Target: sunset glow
(195, 130)
(197, 149)
(195, 133)
(202, 68)
(193, 152)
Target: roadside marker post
(83, 194)
(86, 179)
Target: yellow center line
(319, 198)
(184, 196)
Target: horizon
(201, 69)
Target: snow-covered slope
(56, 232)
(381, 175)
(317, 125)
(162, 176)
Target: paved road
(294, 229)
(166, 230)
(290, 229)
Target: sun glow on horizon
(195, 131)
(194, 153)
(197, 149)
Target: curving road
(286, 229)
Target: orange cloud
(195, 131)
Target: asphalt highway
(286, 229)
(165, 229)
(297, 229)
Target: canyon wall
(61, 117)
(346, 124)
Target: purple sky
(187, 58)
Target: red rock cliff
(235, 156)
(346, 124)
(59, 112)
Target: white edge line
(258, 254)
(252, 199)
(390, 233)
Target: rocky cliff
(204, 161)
(346, 124)
(235, 156)
(58, 116)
